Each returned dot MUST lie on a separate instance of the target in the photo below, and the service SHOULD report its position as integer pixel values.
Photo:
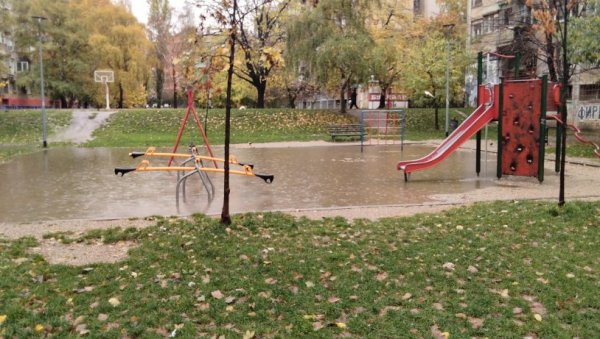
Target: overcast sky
(140, 8)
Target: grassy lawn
(21, 130)
(505, 269)
(160, 127)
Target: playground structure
(383, 126)
(193, 162)
(519, 107)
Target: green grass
(21, 130)
(160, 127)
(480, 271)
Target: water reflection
(79, 183)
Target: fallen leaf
(406, 296)
(317, 325)
(437, 334)
(114, 301)
(271, 281)
(386, 309)
(310, 284)
(537, 317)
(476, 322)
(38, 328)
(570, 275)
(448, 266)
(461, 316)
(217, 294)
(472, 269)
(81, 329)
(102, 317)
(203, 306)
(517, 310)
(381, 276)
(333, 300)
(2, 319)
(437, 306)
(229, 308)
(504, 293)
(248, 335)
(340, 325)
(229, 300)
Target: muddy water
(78, 183)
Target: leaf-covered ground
(506, 269)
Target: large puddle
(79, 183)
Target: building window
(507, 16)
(476, 29)
(477, 3)
(23, 66)
(589, 92)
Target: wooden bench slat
(344, 130)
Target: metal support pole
(44, 134)
(107, 96)
(479, 101)
(448, 31)
(541, 143)
(447, 86)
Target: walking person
(353, 99)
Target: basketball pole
(106, 90)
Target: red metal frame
(190, 108)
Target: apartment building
(506, 27)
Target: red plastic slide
(482, 115)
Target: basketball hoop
(105, 76)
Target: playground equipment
(383, 125)
(185, 169)
(521, 116)
(520, 108)
(190, 109)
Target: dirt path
(82, 126)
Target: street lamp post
(448, 29)
(39, 20)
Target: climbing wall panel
(521, 128)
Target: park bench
(346, 130)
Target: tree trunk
(261, 88)
(160, 79)
(382, 98)
(550, 59)
(174, 88)
(343, 99)
(120, 94)
(291, 99)
(436, 115)
(563, 104)
(225, 217)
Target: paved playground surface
(582, 182)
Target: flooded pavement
(79, 183)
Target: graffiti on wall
(588, 111)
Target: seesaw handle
(123, 171)
(137, 154)
(268, 178)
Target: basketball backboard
(104, 76)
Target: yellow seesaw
(151, 152)
(144, 166)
